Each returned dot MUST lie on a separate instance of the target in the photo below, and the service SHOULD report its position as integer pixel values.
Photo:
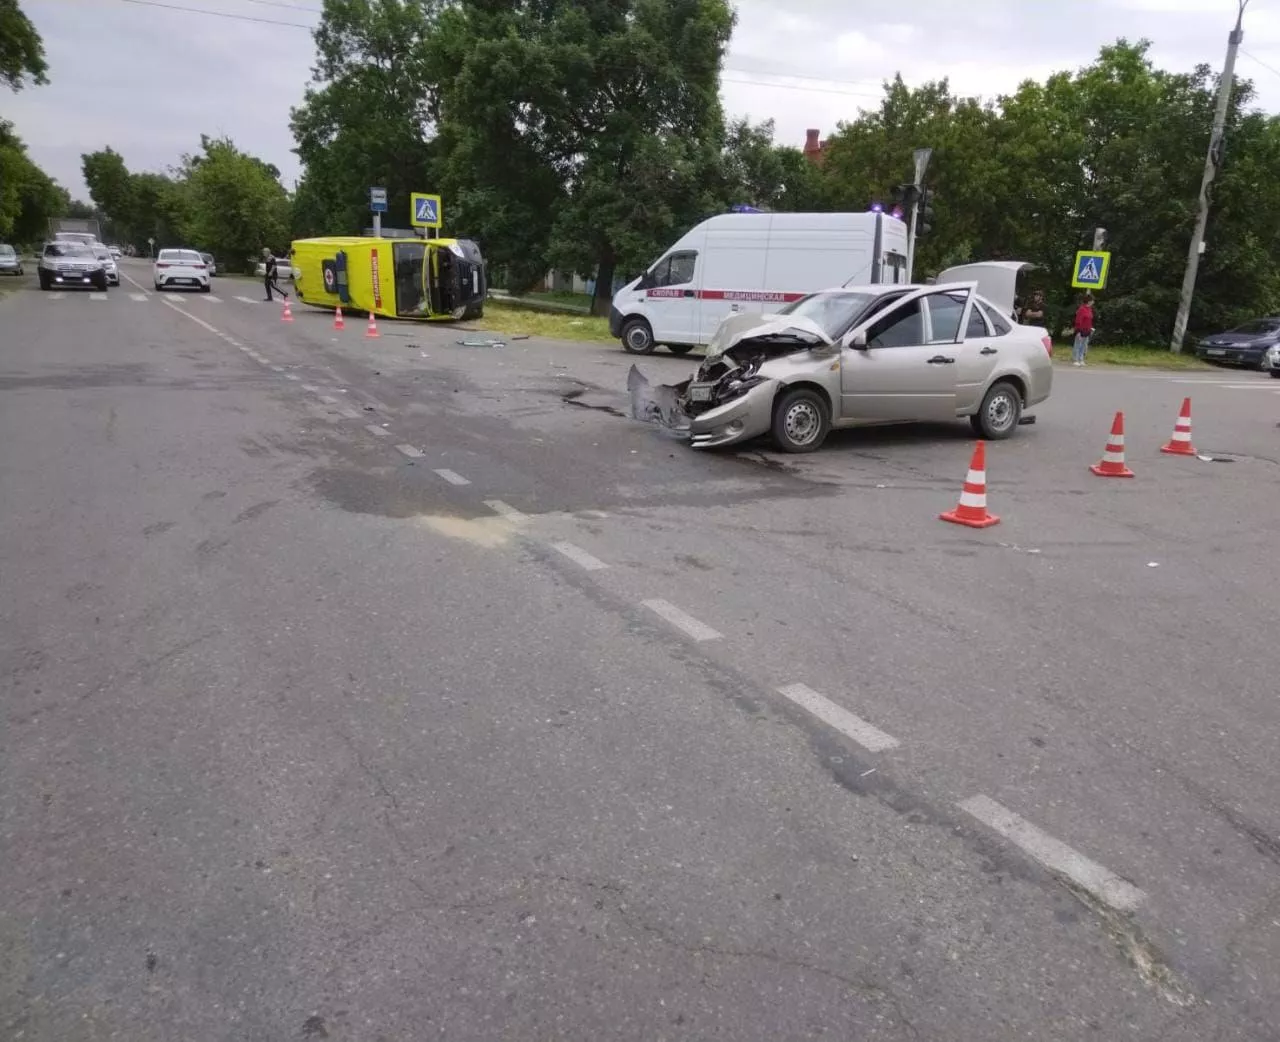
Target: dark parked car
(1246, 345)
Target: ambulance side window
(676, 270)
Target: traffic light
(924, 216)
(904, 196)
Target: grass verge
(1134, 355)
(508, 318)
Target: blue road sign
(426, 210)
(1091, 270)
(378, 200)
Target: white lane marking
(374, 429)
(277, 368)
(328, 399)
(348, 414)
(453, 477)
(579, 556)
(195, 319)
(504, 509)
(311, 388)
(867, 736)
(212, 299)
(681, 621)
(248, 300)
(56, 296)
(137, 285)
(138, 297)
(410, 451)
(1055, 855)
(97, 296)
(292, 376)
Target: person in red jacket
(1084, 330)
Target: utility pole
(1211, 163)
(921, 157)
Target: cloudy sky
(147, 77)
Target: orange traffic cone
(1112, 463)
(1180, 443)
(337, 319)
(972, 509)
(372, 332)
(286, 315)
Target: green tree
(21, 49)
(607, 111)
(28, 196)
(110, 186)
(371, 118)
(236, 203)
(758, 172)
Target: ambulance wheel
(637, 337)
(679, 349)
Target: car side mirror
(858, 340)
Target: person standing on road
(269, 275)
(1033, 313)
(1084, 330)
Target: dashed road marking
(138, 296)
(277, 368)
(452, 476)
(579, 556)
(505, 509)
(311, 388)
(56, 296)
(1055, 855)
(212, 299)
(410, 451)
(292, 376)
(867, 736)
(348, 413)
(328, 399)
(682, 621)
(249, 300)
(198, 321)
(97, 296)
(374, 429)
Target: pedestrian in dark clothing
(1033, 313)
(270, 275)
(1083, 326)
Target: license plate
(699, 394)
(1215, 351)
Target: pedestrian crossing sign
(1091, 270)
(426, 210)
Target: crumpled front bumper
(745, 417)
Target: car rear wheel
(637, 337)
(801, 421)
(1275, 374)
(1000, 412)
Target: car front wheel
(637, 337)
(1000, 412)
(801, 421)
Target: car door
(671, 298)
(978, 355)
(904, 370)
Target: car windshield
(832, 312)
(67, 249)
(183, 256)
(5, 250)
(1259, 326)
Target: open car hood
(737, 328)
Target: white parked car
(210, 263)
(104, 254)
(181, 268)
(284, 270)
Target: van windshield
(833, 312)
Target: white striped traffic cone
(972, 508)
(338, 322)
(1180, 443)
(1112, 463)
(287, 314)
(372, 332)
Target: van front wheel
(637, 337)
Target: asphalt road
(394, 689)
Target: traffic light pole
(1211, 162)
(911, 239)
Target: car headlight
(1273, 354)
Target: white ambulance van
(737, 262)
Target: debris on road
(481, 341)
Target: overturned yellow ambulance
(425, 279)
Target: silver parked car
(104, 254)
(10, 260)
(853, 356)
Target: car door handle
(988, 351)
(940, 360)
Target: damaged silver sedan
(856, 356)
